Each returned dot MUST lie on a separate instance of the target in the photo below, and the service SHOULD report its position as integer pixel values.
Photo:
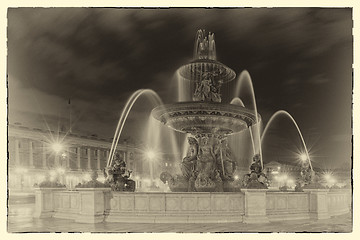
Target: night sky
(299, 59)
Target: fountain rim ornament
(216, 118)
(220, 72)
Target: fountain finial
(204, 45)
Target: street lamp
(303, 157)
(329, 178)
(61, 171)
(57, 147)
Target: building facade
(35, 154)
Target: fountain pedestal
(255, 206)
(44, 202)
(93, 204)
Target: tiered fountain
(209, 165)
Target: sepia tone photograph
(179, 120)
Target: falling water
(237, 101)
(156, 131)
(245, 77)
(252, 140)
(200, 44)
(128, 106)
(184, 88)
(152, 143)
(285, 113)
(153, 133)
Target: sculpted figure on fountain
(188, 164)
(208, 178)
(225, 160)
(117, 176)
(202, 91)
(256, 179)
(206, 89)
(206, 156)
(306, 172)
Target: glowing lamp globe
(303, 157)
(57, 147)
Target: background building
(34, 154)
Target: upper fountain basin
(205, 117)
(195, 70)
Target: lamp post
(61, 172)
(60, 156)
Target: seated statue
(189, 162)
(118, 177)
(256, 165)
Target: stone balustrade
(67, 204)
(87, 205)
(339, 201)
(176, 207)
(45, 202)
(91, 205)
(287, 205)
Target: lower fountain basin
(205, 117)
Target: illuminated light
(146, 180)
(303, 157)
(275, 172)
(60, 170)
(101, 179)
(57, 147)
(63, 155)
(150, 154)
(86, 177)
(279, 168)
(282, 178)
(329, 178)
(52, 173)
(236, 177)
(290, 182)
(40, 177)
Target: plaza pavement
(23, 224)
